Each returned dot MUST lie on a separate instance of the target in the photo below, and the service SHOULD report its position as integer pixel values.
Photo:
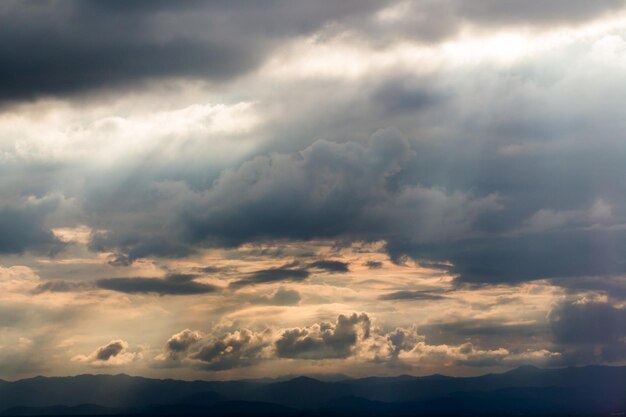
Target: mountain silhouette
(529, 391)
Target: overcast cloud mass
(225, 189)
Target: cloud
(233, 350)
(589, 331)
(324, 340)
(374, 264)
(177, 348)
(613, 287)
(206, 40)
(173, 284)
(411, 295)
(114, 353)
(113, 349)
(500, 259)
(272, 275)
(23, 228)
(345, 191)
(62, 286)
(493, 332)
(196, 40)
(280, 297)
(330, 266)
(181, 342)
(511, 12)
(351, 337)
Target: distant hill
(529, 391)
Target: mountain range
(528, 391)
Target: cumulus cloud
(351, 337)
(237, 349)
(181, 342)
(324, 340)
(173, 284)
(114, 353)
(177, 346)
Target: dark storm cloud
(327, 190)
(58, 48)
(324, 340)
(508, 145)
(22, 228)
(516, 259)
(479, 208)
(327, 183)
(589, 332)
(267, 276)
(330, 266)
(174, 284)
(411, 295)
(588, 323)
(93, 45)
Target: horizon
(237, 190)
(295, 376)
(318, 377)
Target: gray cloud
(588, 322)
(233, 350)
(324, 340)
(267, 276)
(611, 286)
(515, 259)
(589, 332)
(343, 190)
(114, 348)
(220, 40)
(181, 342)
(488, 333)
(374, 264)
(23, 228)
(173, 284)
(411, 295)
(177, 348)
(280, 297)
(330, 266)
(62, 286)
(85, 50)
(509, 12)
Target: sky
(243, 189)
